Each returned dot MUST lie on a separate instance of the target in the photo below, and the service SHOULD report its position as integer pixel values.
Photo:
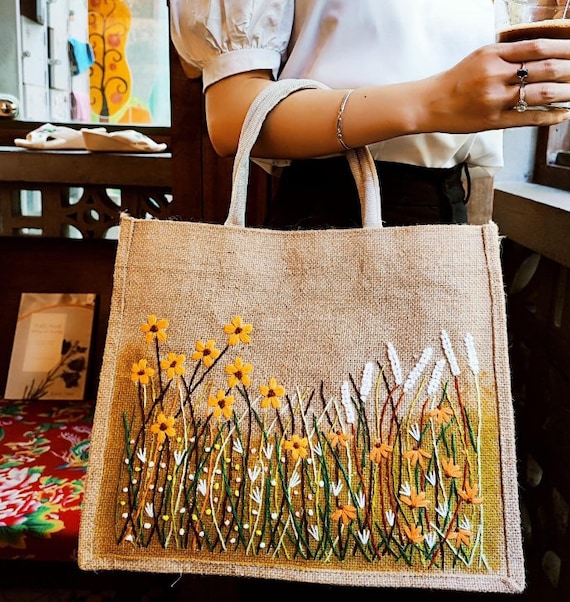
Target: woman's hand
(482, 90)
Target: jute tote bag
(326, 406)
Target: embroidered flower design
(206, 352)
(222, 404)
(298, 446)
(173, 365)
(379, 451)
(163, 427)
(141, 372)
(338, 439)
(345, 513)
(271, 394)
(239, 373)
(154, 328)
(238, 331)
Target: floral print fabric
(44, 447)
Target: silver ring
(522, 104)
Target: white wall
(519, 147)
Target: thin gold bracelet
(339, 121)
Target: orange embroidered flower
(450, 470)
(460, 536)
(443, 415)
(415, 500)
(271, 394)
(469, 494)
(379, 451)
(141, 373)
(163, 427)
(298, 446)
(345, 513)
(238, 331)
(154, 328)
(239, 373)
(206, 352)
(414, 533)
(173, 365)
(222, 404)
(338, 438)
(416, 455)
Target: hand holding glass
(529, 19)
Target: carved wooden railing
(79, 194)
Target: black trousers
(320, 193)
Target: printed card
(50, 354)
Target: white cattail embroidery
(472, 357)
(395, 363)
(366, 384)
(418, 369)
(449, 354)
(347, 403)
(435, 379)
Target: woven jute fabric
(328, 406)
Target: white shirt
(346, 44)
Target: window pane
(87, 61)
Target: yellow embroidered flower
(415, 500)
(414, 533)
(173, 365)
(338, 438)
(298, 446)
(469, 494)
(163, 427)
(154, 328)
(271, 394)
(239, 373)
(141, 373)
(346, 513)
(416, 455)
(207, 353)
(450, 470)
(442, 415)
(379, 451)
(222, 404)
(238, 331)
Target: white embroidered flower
(430, 477)
(360, 499)
(430, 539)
(442, 510)
(267, 451)
(314, 531)
(415, 432)
(141, 455)
(390, 517)
(364, 536)
(255, 495)
(336, 488)
(202, 486)
(295, 480)
(237, 446)
(149, 509)
(406, 489)
(179, 456)
(465, 524)
(254, 472)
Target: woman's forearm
(477, 94)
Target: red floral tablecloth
(44, 447)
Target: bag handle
(360, 159)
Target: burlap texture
(322, 304)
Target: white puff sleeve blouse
(346, 44)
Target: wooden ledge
(81, 167)
(535, 216)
